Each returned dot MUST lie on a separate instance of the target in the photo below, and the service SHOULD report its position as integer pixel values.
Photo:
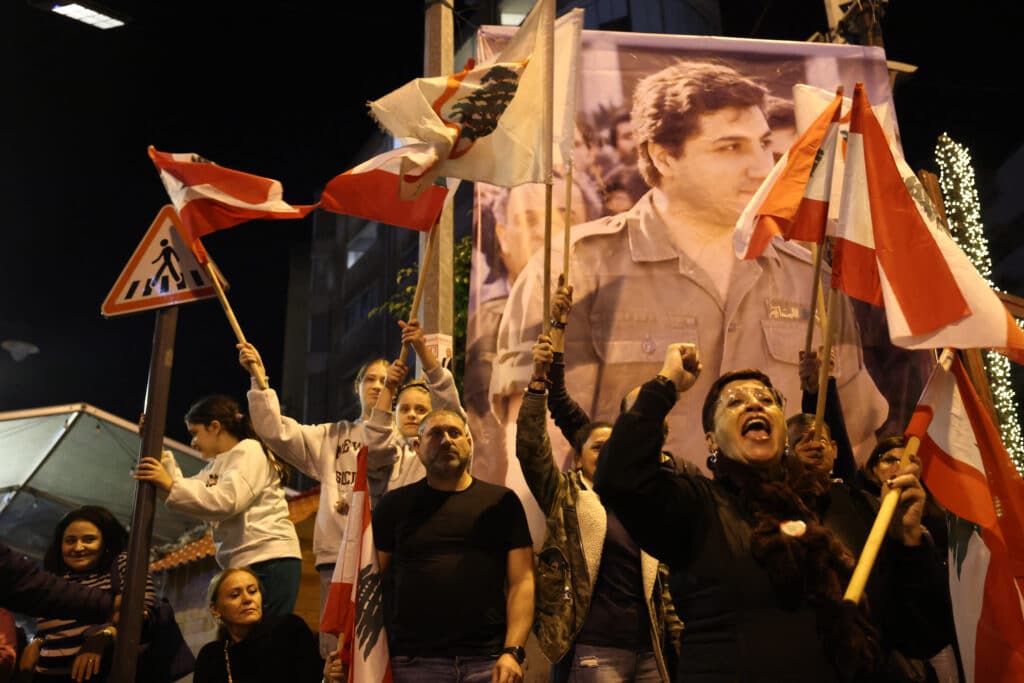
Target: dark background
(278, 89)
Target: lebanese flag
(966, 467)
(792, 202)
(486, 121)
(891, 252)
(372, 190)
(354, 610)
(209, 197)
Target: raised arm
(440, 382)
(567, 414)
(296, 444)
(533, 447)
(845, 466)
(383, 439)
(647, 498)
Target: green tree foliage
(397, 306)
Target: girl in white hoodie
(241, 491)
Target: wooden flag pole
(261, 378)
(826, 355)
(568, 221)
(876, 536)
(817, 299)
(547, 23)
(428, 255)
(546, 311)
(883, 521)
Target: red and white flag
(209, 197)
(891, 252)
(792, 202)
(372, 189)
(966, 467)
(486, 122)
(355, 609)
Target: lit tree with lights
(963, 210)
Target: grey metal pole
(129, 628)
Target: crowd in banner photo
(698, 455)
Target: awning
(55, 459)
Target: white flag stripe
(182, 194)
(346, 571)
(967, 591)
(808, 103)
(422, 154)
(819, 183)
(855, 203)
(950, 427)
(963, 334)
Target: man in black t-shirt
(458, 567)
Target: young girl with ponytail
(241, 491)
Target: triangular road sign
(162, 271)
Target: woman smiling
(87, 548)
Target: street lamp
(85, 11)
(19, 350)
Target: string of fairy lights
(963, 211)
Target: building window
(323, 272)
(319, 332)
(358, 308)
(361, 243)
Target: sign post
(161, 274)
(132, 602)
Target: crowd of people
(650, 568)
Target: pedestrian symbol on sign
(162, 271)
(166, 254)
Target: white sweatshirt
(326, 452)
(391, 460)
(240, 493)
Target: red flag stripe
(906, 251)
(855, 271)
(1005, 482)
(969, 471)
(357, 556)
(796, 205)
(958, 487)
(375, 195)
(810, 220)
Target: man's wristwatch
(516, 651)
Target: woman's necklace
(227, 662)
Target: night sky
(279, 89)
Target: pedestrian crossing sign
(162, 271)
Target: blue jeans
(442, 669)
(595, 664)
(280, 581)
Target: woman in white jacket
(241, 491)
(327, 452)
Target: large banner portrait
(674, 135)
